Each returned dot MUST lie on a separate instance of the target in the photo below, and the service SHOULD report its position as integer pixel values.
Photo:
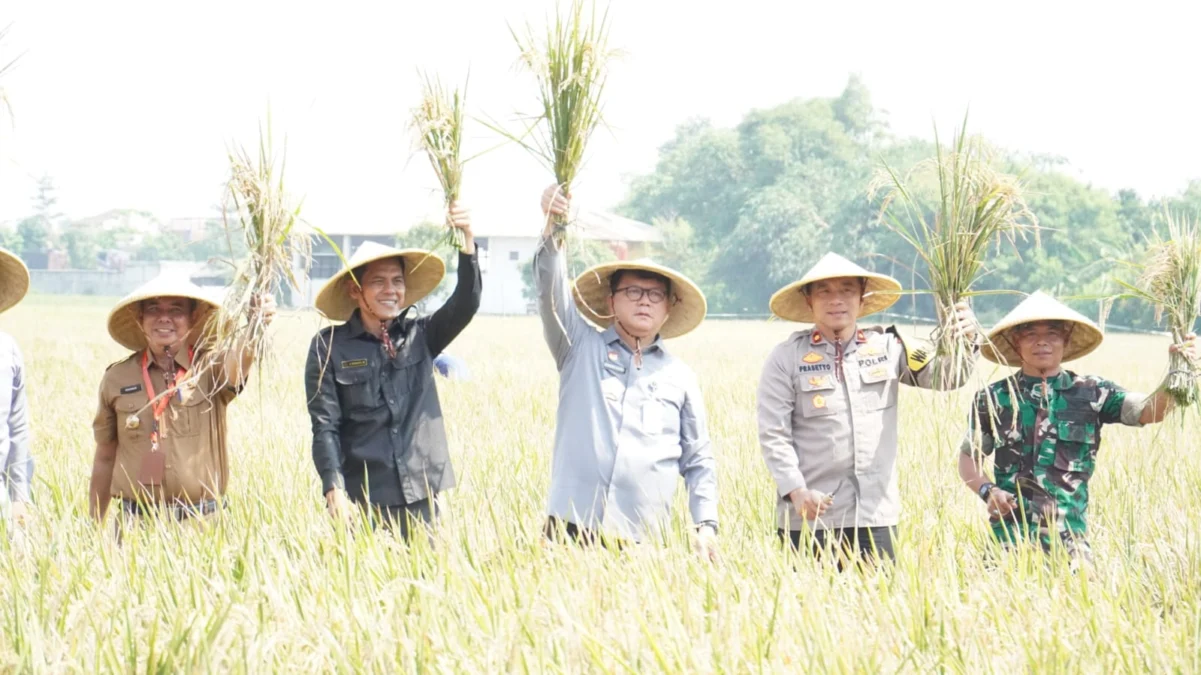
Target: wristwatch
(985, 490)
(707, 523)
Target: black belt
(175, 509)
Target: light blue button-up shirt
(15, 456)
(623, 434)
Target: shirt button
(391, 401)
(394, 431)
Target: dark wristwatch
(708, 523)
(985, 490)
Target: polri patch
(357, 363)
(131, 389)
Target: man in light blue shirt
(15, 456)
(631, 417)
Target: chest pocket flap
(358, 388)
(879, 383)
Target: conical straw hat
(123, 323)
(14, 280)
(1085, 336)
(592, 296)
(881, 292)
(423, 273)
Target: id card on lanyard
(153, 468)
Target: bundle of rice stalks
(951, 227)
(1170, 279)
(268, 222)
(438, 123)
(570, 64)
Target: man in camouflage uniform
(1042, 425)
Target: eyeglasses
(635, 293)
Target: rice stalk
(1170, 280)
(438, 123)
(570, 64)
(951, 227)
(260, 211)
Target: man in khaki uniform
(159, 428)
(828, 407)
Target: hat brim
(791, 304)
(1000, 349)
(423, 272)
(14, 280)
(123, 320)
(592, 296)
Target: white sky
(131, 104)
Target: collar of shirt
(1061, 382)
(182, 359)
(357, 329)
(816, 339)
(610, 335)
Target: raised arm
(562, 324)
(444, 325)
(19, 460)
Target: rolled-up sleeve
(19, 464)
(562, 324)
(697, 464)
(777, 402)
(325, 412)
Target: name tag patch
(131, 389)
(357, 363)
(815, 368)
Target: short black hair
(615, 279)
(359, 271)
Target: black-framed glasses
(635, 293)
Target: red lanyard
(173, 381)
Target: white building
(510, 250)
(506, 248)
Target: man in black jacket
(378, 436)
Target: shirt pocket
(661, 412)
(358, 389)
(184, 413)
(878, 385)
(818, 394)
(1077, 439)
(126, 408)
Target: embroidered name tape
(357, 363)
(131, 389)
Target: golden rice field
(274, 587)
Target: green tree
(82, 248)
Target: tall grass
(438, 123)
(569, 61)
(951, 208)
(1170, 280)
(274, 587)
